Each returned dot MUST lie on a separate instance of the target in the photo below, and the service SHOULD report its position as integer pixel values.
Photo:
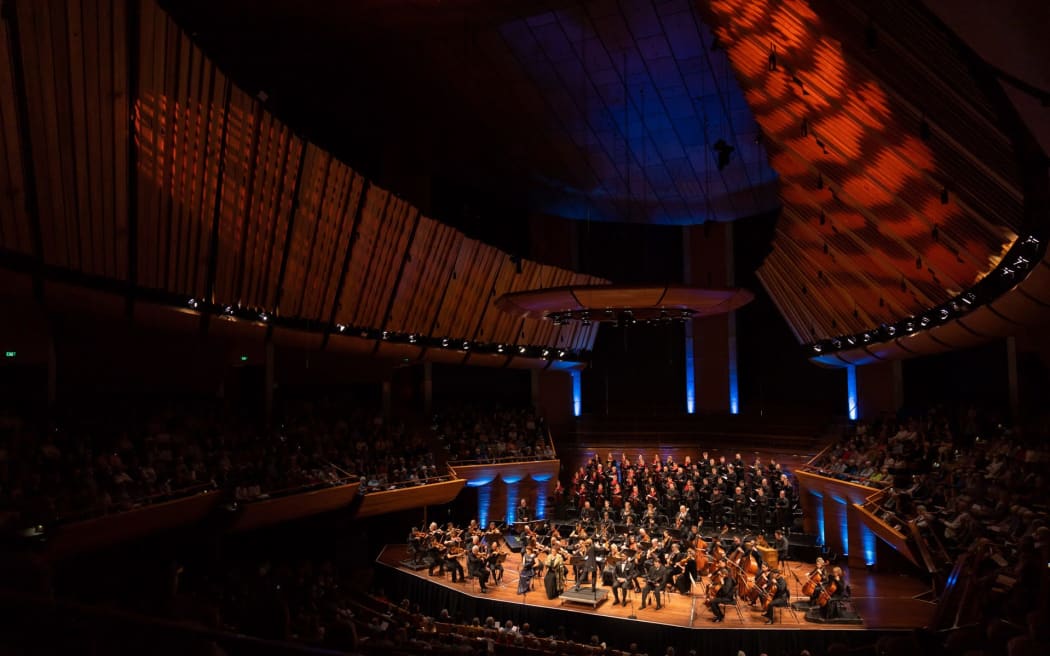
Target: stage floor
(883, 601)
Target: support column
(268, 377)
(428, 388)
(851, 392)
(709, 263)
(387, 398)
(861, 539)
(577, 392)
(836, 533)
(812, 513)
(52, 373)
(880, 389)
(1011, 378)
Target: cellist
(813, 587)
(776, 594)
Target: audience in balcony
(98, 461)
(492, 434)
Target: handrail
(400, 485)
(305, 487)
(499, 461)
(135, 504)
(849, 478)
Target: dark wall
(459, 384)
(638, 369)
(973, 377)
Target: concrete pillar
(1013, 387)
(708, 254)
(880, 389)
(812, 511)
(836, 537)
(268, 382)
(387, 398)
(428, 388)
(52, 373)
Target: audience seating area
(472, 435)
(97, 461)
(971, 495)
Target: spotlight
(1032, 241)
(969, 298)
(561, 353)
(836, 344)
(444, 342)
(1021, 263)
(925, 321)
(851, 340)
(264, 317)
(909, 327)
(866, 337)
(499, 348)
(466, 345)
(193, 303)
(1007, 273)
(386, 335)
(891, 330)
(340, 327)
(944, 314)
(817, 348)
(546, 353)
(413, 338)
(228, 310)
(521, 350)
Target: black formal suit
(654, 583)
(623, 580)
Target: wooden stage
(883, 601)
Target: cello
(825, 594)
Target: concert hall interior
(524, 327)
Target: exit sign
(10, 354)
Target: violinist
(682, 519)
(776, 594)
(721, 593)
(495, 563)
(476, 566)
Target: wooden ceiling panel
(15, 228)
(874, 229)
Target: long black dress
(528, 570)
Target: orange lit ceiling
(148, 169)
(900, 189)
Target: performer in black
(623, 577)
(528, 570)
(836, 587)
(725, 596)
(819, 570)
(655, 579)
(589, 567)
(476, 566)
(523, 513)
(780, 543)
(781, 595)
(452, 563)
(494, 563)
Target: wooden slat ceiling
(227, 203)
(900, 189)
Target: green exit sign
(244, 358)
(10, 354)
